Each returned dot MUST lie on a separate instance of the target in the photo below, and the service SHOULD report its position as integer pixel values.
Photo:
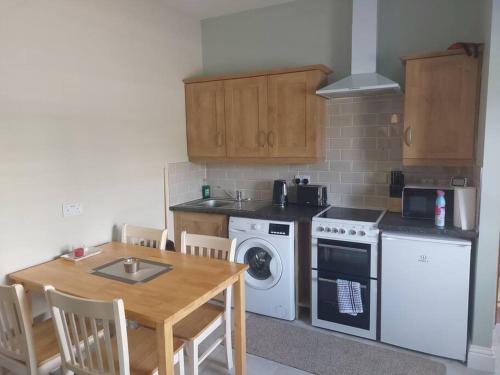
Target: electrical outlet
(303, 178)
(72, 209)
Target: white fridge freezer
(425, 293)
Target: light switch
(72, 209)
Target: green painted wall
(319, 31)
(301, 32)
(409, 26)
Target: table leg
(240, 329)
(164, 334)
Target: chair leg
(192, 349)
(180, 362)
(228, 344)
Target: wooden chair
(24, 349)
(196, 327)
(144, 236)
(119, 351)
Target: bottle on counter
(440, 211)
(205, 190)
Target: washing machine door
(265, 266)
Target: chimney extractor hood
(363, 79)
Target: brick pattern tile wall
(184, 181)
(363, 146)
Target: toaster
(312, 195)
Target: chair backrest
(144, 236)
(78, 321)
(211, 247)
(16, 336)
(208, 246)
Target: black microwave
(419, 201)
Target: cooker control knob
(342, 231)
(320, 229)
(362, 233)
(352, 232)
(335, 230)
(328, 230)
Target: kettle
(280, 197)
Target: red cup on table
(78, 252)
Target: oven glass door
(328, 304)
(347, 258)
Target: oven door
(325, 305)
(342, 257)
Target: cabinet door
(246, 116)
(205, 120)
(199, 223)
(294, 113)
(440, 110)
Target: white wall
(91, 109)
(489, 219)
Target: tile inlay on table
(148, 270)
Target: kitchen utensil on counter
(280, 197)
(396, 191)
(397, 184)
(464, 215)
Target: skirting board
(481, 358)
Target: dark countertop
(257, 210)
(394, 222)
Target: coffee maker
(280, 197)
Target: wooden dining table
(158, 303)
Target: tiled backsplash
(184, 181)
(362, 148)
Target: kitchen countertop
(394, 222)
(257, 210)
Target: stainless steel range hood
(363, 79)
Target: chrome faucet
(239, 195)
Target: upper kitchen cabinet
(441, 107)
(206, 130)
(270, 117)
(246, 117)
(294, 112)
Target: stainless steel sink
(214, 203)
(228, 204)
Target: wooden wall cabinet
(441, 109)
(206, 132)
(199, 223)
(246, 117)
(272, 116)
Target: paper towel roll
(464, 208)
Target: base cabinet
(199, 223)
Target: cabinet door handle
(408, 136)
(261, 138)
(219, 139)
(270, 139)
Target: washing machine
(268, 247)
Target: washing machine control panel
(279, 229)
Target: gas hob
(348, 224)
